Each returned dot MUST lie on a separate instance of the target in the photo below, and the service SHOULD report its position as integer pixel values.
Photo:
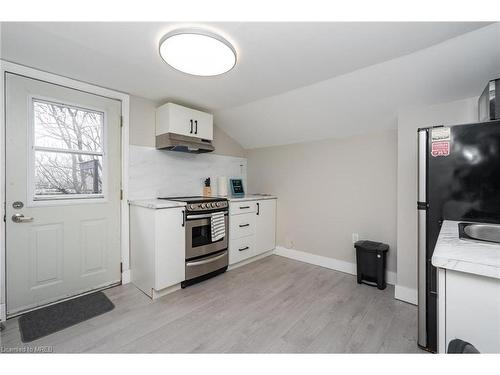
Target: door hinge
(121, 267)
(121, 194)
(422, 205)
(121, 121)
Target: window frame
(67, 199)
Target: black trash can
(371, 260)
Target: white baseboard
(3, 312)
(126, 277)
(405, 294)
(250, 260)
(322, 261)
(155, 294)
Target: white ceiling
(293, 81)
(272, 57)
(369, 99)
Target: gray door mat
(50, 319)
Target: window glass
(68, 151)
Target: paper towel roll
(222, 186)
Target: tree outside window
(68, 147)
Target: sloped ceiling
(293, 81)
(368, 99)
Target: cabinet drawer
(236, 208)
(241, 225)
(241, 249)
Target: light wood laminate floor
(273, 305)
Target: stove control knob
(218, 204)
(213, 204)
(202, 205)
(192, 206)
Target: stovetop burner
(199, 203)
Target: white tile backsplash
(154, 173)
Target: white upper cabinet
(174, 118)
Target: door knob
(20, 218)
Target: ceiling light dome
(197, 52)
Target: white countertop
(453, 253)
(250, 197)
(156, 203)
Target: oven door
(199, 236)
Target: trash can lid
(371, 246)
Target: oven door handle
(205, 261)
(203, 216)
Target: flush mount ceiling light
(197, 52)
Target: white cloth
(218, 226)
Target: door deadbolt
(17, 205)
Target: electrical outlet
(355, 237)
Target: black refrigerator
(458, 179)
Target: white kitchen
(250, 187)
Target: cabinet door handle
(191, 131)
(183, 219)
(244, 207)
(244, 248)
(195, 126)
(244, 225)
(258, 208)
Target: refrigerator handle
(432, 283)
(422, 237)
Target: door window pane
(68, 151)
(65, 127)
(59, 174)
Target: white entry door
(63, 179)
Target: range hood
(183, 143)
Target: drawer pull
(244, 225)
(244, 248)
(244, 207)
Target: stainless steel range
(204, 257)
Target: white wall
(328, 190)
(154, 173)
(142, 129)
(159, 173)
(2, 237)
(368, 99)
(456, 112)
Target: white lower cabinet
(242, 226)
(157, 248)
(265, 229)
(252, 229)
(469, 309)
(241, 249)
